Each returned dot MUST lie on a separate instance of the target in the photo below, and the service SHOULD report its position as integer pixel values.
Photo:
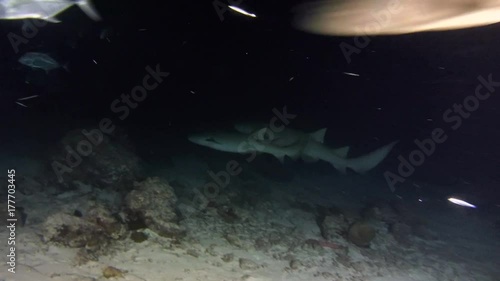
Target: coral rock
(154, 202)
(361, 234)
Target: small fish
(40, 61)
(461, 202)
(43, 9)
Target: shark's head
(229, 142)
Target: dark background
(239, 69)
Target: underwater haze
(249, 140)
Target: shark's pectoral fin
(342, 151)
(341, 169)
(309, 159)
(282, 157)
(340, 166)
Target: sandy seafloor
(465, 243)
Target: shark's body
(389, 17)
(43, 9)
(293, 144)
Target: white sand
(468, 247)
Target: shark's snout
(203, 140)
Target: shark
(43, 9)
(393, 17)
(291, 143)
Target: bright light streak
(27, 98)
(461, 202)
(241, 11)
(21, 104)
(351, 74)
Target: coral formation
(97, 160)
(113, 272)
(93, 229)
(333, 226)
(361, 234)
(153, 202)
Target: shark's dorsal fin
(319, 135)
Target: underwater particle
(351, 74)
(138, 236)
(28, 98)
(112, 272)
(21, 104)
(361, 234)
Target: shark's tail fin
(89, 9)
(368, 161)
